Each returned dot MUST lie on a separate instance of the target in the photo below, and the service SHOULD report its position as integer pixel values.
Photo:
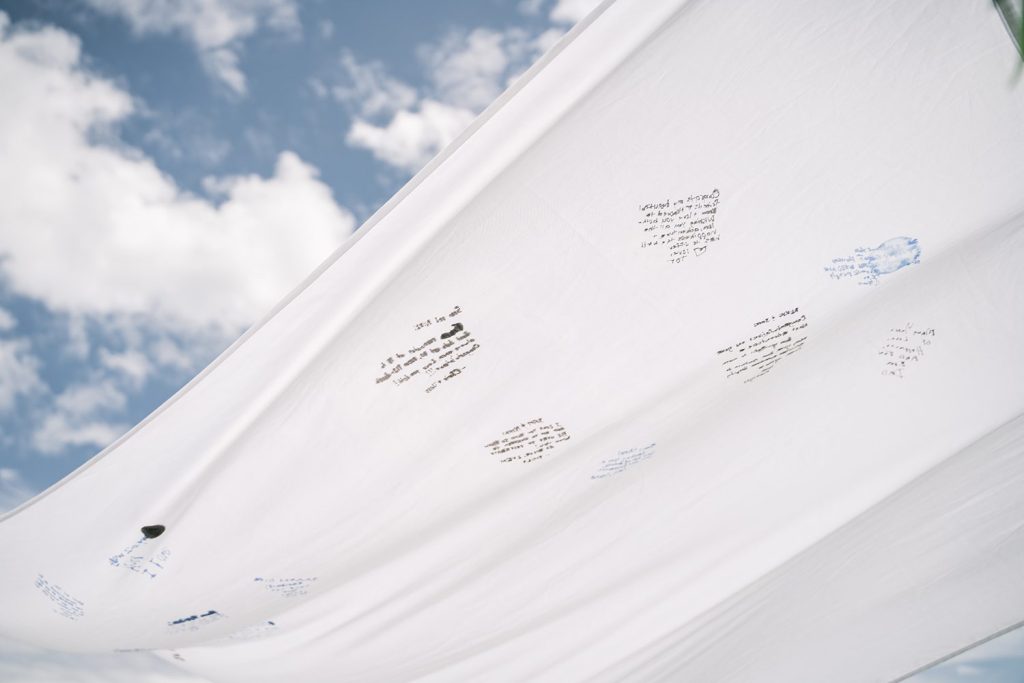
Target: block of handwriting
(904, 348)
(678, 229)
(287, 588)
(436, 354)
(528, 441)
(145, 557)
(64, 603)
(774, 337)
(623, 460)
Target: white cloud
(222, 63)
(470, 69)
(58, 432)
(103, 239)
(215, 27)
(19, 372)
(7, 320)
(78, 418)
(13, 489)
(78, 345)
(131, 363)
(326, 29)
(369, 90)
(85, 400)
(93, 230)
(26, 664)
(969, 670)
(168, 354)
(530, 7)
(466, 71)
(571, 11)
(546, 40)
(412, 137)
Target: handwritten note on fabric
(528, 441)
(436, 356)
(775, 337)
(904, 347)
(287, 588)
(142, 557)
(680, 228)
(64, 603)
(623, 460)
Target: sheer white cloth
(698, 358)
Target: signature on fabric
(64, 604)
(623, 460)
(867, 264)
(904, 348)
(680, 228)
(528, 441)
(775, 337)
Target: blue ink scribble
(289, 588)
(137, 559)
(891, 255)
(195, 621)
(868, 264)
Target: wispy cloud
(412, 136)
(77, 418)
(571, 11)
(368, 90)
(217, 28)
(19, 372)
(465, 71)
(13, 490)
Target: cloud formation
(368, 90)
(92, 230)
(13, 491)
(19, 372)
(413, 135)
(571, 11)
(81, 415)
(217, 28)
(96, 229)
(465, 71)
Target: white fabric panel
(777, 436)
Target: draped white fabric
(698, 358)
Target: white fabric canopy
(698, 358)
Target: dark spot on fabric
(153, 531)
(456, 328)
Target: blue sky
(171, 169)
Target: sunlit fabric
(697, 358)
